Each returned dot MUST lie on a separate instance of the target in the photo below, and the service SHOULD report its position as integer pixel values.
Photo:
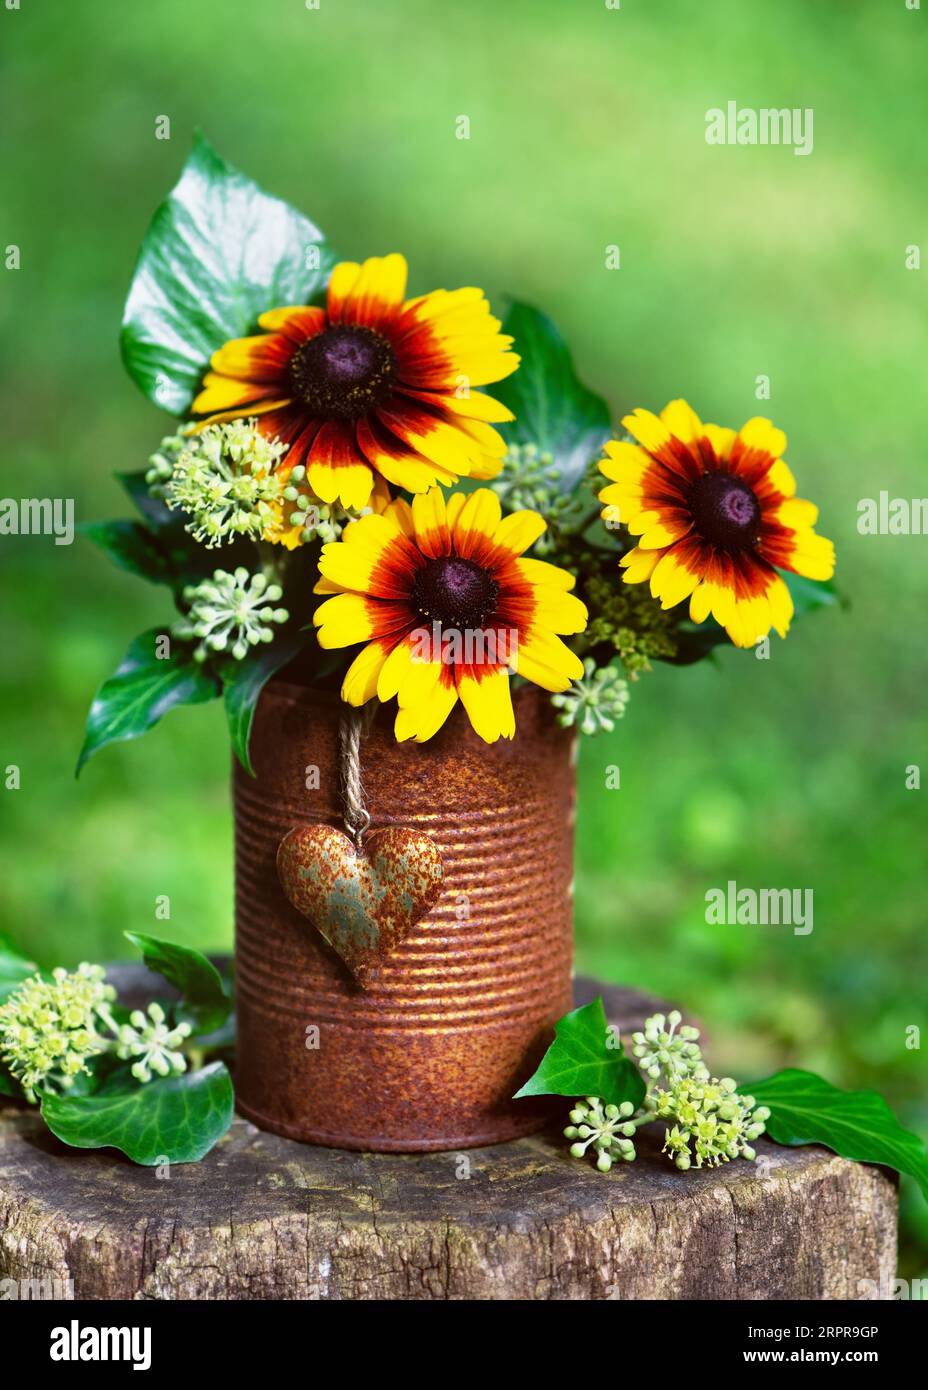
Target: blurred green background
(587, 129)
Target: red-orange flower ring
(372, 384)
(716, 515)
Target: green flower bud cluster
(529, 478)
(224, 477)
(666, 1047)
(607, 1129)
(323, 521)
(49, 1029)
(230, 613)
(628, 619)
(162, 462)
(595, 701)
(154, 1043)
(710, 1123)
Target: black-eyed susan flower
(716, 517)
(448, 605)
(373, 384)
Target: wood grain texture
(263, 1217)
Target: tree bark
(265, 1218)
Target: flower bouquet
(410, 552)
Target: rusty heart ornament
(365, 900)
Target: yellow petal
(761, 433)
(813, 556)
(225, 392)
(721, 440)
(488, 702)
(656, 534)
(780, 477)
(781, 605)
(349, 566)
(749, 620)
(479, 518)
(639, 564)
(484, 467)
(412, 680)
(431, 522)
(682, 421)
(672, 581)
(647, 429)
(545, 574)
(475, 405)
(624, 462)
(796, 513)
(343, 620)
(349, 483)
(714, 598)
(422, 721)
(376, 291)
(559, 611)
(545, 659)
(519, 530)
(360, 683)
(400, 512)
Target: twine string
(355, 724)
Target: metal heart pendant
(363, 902)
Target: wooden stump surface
(266, 1218)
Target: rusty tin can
(429, 1055)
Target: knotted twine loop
(355, 725)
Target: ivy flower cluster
(668, 1046)
(529, 478)
(226, 478)
(607, 1129)
(230, 613)
(709, 1122)
(307, 517)
(595, 702)
(154, 1043)
(51, 1029)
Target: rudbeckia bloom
(371, 384)
(447, 605)
(716, 516)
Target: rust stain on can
(428, 1055)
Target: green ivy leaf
(805, 1109)
(553, 408)
(244, 680)
(143, 689)
(179, 1118)
(205, 1003)
(162, 549)
(9, 1086)
(14, 967)
(809, 594)
(581, 1062)
(219, 252)
(157, 515)
(132, 547)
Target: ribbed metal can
(429, 1055)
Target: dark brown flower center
(725, 511)
(454, 592)
(343, 372)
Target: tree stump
(265, 1218)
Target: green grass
(587, 130)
